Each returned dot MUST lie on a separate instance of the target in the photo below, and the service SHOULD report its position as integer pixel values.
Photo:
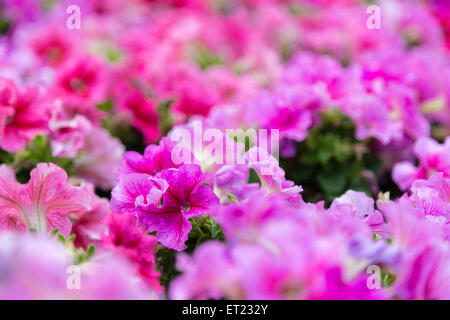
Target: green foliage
(205, 58)
(5, 23)
(204, 228)
(165, 117)
(106, 105)
(232, 198)
(253, 177)
(113, 54)
(165, 265)
(37, 151)
(387, 279)
(6, 157)
(130, 137)
(80, 255)
(331, 160)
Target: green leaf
(332, 182)
(71, 238)
(61, 238)
(89, 252)
(215, 229)
(232, 198)
(106, 105)
(205, 58)
(387, 279)
(165, 116)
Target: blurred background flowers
(88, 120)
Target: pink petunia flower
(143, 112)
(131, 241)
(272, 176)
(99, 158)
(358, 206)
(432, 196)
(53, 45)
(433, 157)
(41, 205)
(423, 272)
(39, 267)
(82, 78)
(209, 273)
(22, 115)
(88, 225)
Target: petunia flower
(135, 190)
(99, 158)
(272, 176)
(41, 205)
(209, 273)
(39, 267)
(52, 44)
(189, 194)
(432, 196)
(88, 225)
(81, 80)
(154, 159)
(22, 115)
(360, 208)
(423, 271)
(130, 240)
(433, 157)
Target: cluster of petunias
(136, 72)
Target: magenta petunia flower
(22, 115)
(154, 159)
(128, 239)
(135, 190)
(143, 113)
(53, 45)
(81, 83)
(187, 196)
